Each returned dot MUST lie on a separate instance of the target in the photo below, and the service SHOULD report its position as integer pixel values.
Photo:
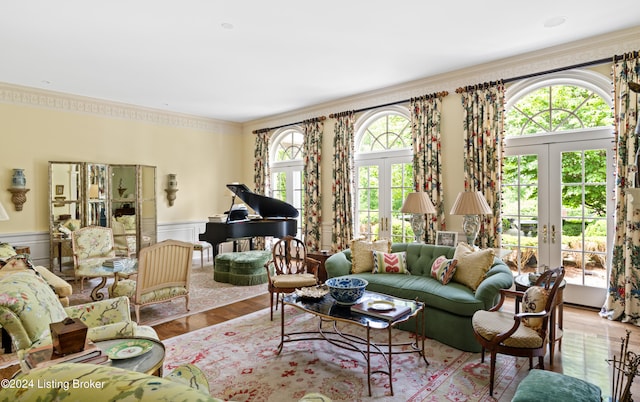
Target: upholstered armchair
(92, 245)
(164, 271)
(28, 305)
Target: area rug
(239, 357)
(206, 294)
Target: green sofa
(449, 308)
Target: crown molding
(25, 96)
(560, 56)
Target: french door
(557, 208)
(382, 184)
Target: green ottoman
(247, 268)
(542, 385)
(221, 267)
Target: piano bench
(244, 268)
(201, 247)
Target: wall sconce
(172, 189)
(18, 190)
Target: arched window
(384, 174)
(558, 178)
(287, 169)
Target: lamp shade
(418, 203)
(470, 203)
(3, 213)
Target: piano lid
(264, 206)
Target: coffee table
(104, 273)
(331, 313)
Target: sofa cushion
(362, 253)
(390, 263)
(472, 265)
(443, 269)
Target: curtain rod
(555, 70)
(264, 130)
(434, 95)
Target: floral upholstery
(28, 306)
(110, 384)
(92, 245)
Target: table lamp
(418, 204)
(471, 204)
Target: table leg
(95, 293)
(281, 324)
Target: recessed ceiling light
(555, 21)
(226, 25)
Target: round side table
(523, 283)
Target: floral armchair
(92, 245)
(28, 306)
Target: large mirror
(122, 197)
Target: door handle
(544, 233)
(553, 234)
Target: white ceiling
(240, 60)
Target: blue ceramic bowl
(345, 289)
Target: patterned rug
(241, 362)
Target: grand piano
(278, 219)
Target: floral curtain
(483, 151)
(343, 165)
(312, 150)
(623, 301)
(262, 175)
(427, 157)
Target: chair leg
(541, 362)
(482, 355)
(492, 373)
(137, 308)
(271, 300)
(530, 362)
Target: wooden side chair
(290, 268)
(525, 333)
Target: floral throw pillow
(443, 269)
(472, 265)
(534, 301)
(390, 263)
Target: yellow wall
(32, 136)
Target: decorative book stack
(384, 309)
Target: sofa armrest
(338, 265)
(498, 277)
(102, 312)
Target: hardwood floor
(588, 340)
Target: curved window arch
(567, 101)
(287, 146)
(384, 130)
(384, 173)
